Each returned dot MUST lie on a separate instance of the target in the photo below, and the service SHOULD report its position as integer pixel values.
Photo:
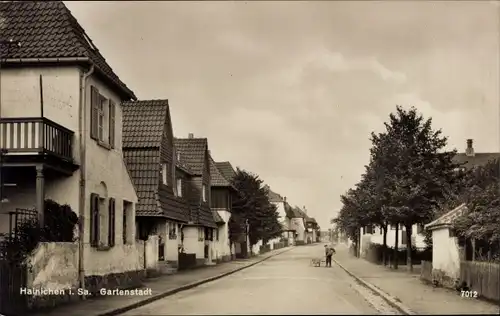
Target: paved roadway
(285, 284)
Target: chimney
(304, 208)
(190, 135)
(208, 152)
(284, 199)
(469, 151)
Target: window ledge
(103, 144)
(103, 248)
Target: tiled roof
(192, 151)
(311, 220)
(216, 177)
(143, 166)
(274, 197)
(479, 159)
(144, 123)
(300, 212)
(47, 29)
(226, 169)
(202, 215)
(447, 219)
(217, 218)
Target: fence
(483, 277)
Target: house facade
(298, 225)
(222, 195)
(240, 248)
(151, 160)
(61, 135)
(374, 234)
(198, 233)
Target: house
(290, 231)
(298, 224)
(470, 159)
(198, 233)
(446, 251)
(222, 195)
(239, 249)
(61, 135)
(279, 201)
(372, 234)
(148, 147)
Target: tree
(418, 173)
(253, 207)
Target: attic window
(178, 156)
(164, 173)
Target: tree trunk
(395, 259)
(408, 247)
(384, 246)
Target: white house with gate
(61, 132)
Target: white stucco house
(61, 131)
(298, 225)
(374, 234)
(199, 232)
(223, 193)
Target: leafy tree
(418, 174)
(253, 207)
(481, 194)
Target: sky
(292, 90)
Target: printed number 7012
(469, 294)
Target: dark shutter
(94, 112)
(94, 220)
(112, 113)
(124, 223)
(111, 223)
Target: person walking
(329, 251)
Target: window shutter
(94, 115)
(112, 125)
(94, 220)
(124, 224)
(111, 230)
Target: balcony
(34, 140)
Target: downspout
(82, 123)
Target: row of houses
(71, 131)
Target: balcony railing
(35, 135)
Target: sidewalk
(409, 291)
(161, 287)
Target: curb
(388, 298)
(188, 286)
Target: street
(285, 284)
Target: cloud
(335, 61)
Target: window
(111, 222)
(452, 233)
(172, 230)
(201, 234)
(124, 222)
(420, 228)
(102, 118)
(112, 124)
(179, 187)
(164, 173)
(178, 156)
(94, 220)
(204, 193)
(217, 235)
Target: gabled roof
(291, 212)
(446, 220)
(478, 159)
(144, 123)
(192, 151)
(226, 169)
(48, 32)
(217, 179)
(273, 196)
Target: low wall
(54, 269)
(426, 272)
